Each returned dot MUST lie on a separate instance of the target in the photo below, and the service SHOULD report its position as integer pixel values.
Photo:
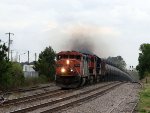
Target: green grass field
(144, 104)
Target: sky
(114, 27)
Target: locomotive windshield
(62, 57)
(78, 57)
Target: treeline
(144, 61)
(11, 73)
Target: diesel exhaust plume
(82, 43)
(89, 39)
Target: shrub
(30, 81)
(17, 76)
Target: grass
(144, 104)
(33, 81)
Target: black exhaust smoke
(87, 39)
(82, 43)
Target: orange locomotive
(74, 69)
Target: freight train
(75, 69)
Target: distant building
(29, 71)
(28, 68)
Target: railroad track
(35, 97)
(32, 98)
(61, 103)
(24, 89)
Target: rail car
(75, 69)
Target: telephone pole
(19, 58)
(9, 42)
(20, 55)
(35, 56)
(28, 57)
(11, 55)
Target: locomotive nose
(67, 70)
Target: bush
(144, 103)
(12, 77)
(6, 81)
(30, 81)
(5, 76)
(17, 75)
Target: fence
(31, 74)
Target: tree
(5, 66)
(11, 74)
(46, 63)
(144, 60)
(118, 61)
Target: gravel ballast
(120, 100)
(37, 102)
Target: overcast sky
(115, 27)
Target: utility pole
(19, 58)
(35, 56)
(11, 55)
(28, 57)
(9, 42)
(20, 55)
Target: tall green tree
(46, 63)
(118, 61)
(144, 60)
(5, 66)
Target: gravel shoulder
(119, 100)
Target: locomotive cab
(68, 70)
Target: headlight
(71, 70)
(68, 62)
(63, 70)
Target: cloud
(50, 25)
(101, 31)
(119, 26)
